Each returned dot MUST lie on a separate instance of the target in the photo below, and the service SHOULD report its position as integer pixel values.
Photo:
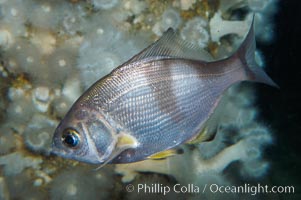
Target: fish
(161, 98)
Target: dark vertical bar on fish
(159, 99)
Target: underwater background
(51, 51)
(282, 108)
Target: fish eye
(70, 138)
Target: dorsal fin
(171, 45)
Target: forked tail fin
(246, 53)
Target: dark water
(281, 108)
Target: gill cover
(83, 136)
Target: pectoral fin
(124, 141)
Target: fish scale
(142, 120)
(163, 97)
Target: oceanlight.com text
(158, 188)
(250, 189)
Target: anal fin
(204, 136)
(165, 154)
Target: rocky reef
(51, 51)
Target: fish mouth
(55, 151)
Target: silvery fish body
(159, 99)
